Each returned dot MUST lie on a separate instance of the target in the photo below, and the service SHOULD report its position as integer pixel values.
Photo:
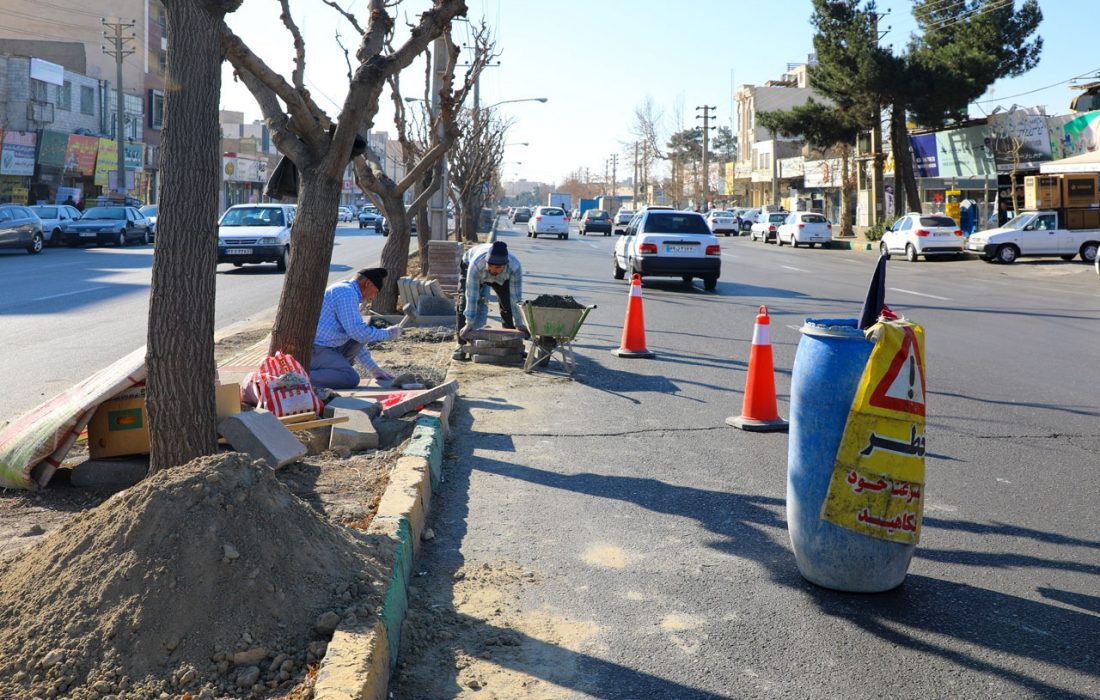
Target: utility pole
(645, 170)
(437, 203)
(614, 174)
(118, 51)
(606, 176)
(878, 199)
(706, 117)
(635, 179)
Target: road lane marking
(919, 294)
(594, 246)
(796, 269)
(66, 294)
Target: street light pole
(707, 109)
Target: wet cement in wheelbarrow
(557, 301)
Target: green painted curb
(396, 603)
(427, 442)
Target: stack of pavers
(444, 261)
(496, 346)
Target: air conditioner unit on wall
(41, 112)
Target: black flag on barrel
(876, 296)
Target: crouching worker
(484, 267)
(342, 334)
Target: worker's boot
(460, 354)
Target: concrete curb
(360, 656)
(853, 245)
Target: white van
(256, 233)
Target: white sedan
(722, 222)
(805, 228)
(548, 220)
(929, 235)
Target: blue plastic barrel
(827, 367)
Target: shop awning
(1084, 163)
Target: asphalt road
(650, 522)
(69, 312)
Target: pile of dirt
(557, 301)
(210, 580)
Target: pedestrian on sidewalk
(342, 335)
(484, 267)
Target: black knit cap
(498, 254)
(374, 274)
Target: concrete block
(392, 431)
(494, 334)
(505, 352)
(316, 440)
(353, 403)
(262, 436)
(357, 434)
(109, 472)
(516, 343)
(420, 399)
(509, 361)
(435, 306)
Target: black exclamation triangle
(912, 374)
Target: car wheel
(910, 252)
(778, 241)
(1089, 250)
(985, 258)
(620, 273)
(55, 238)
(883, 250)
(145, 237)
(1007, 254)
(687, 280)
(238, 264)
(121, 240)
(36, 244)
(283, 260)
(566, 236)
(710, 283)
(1067, 258)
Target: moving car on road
(929, 235)
(595, 221)
(370, 217)
(256, 233)
(20, 228)
(548, 220)
(110, 224)
(1035, 233)
(804, 228)
(766, 225)
(343, 214)
(721, 222)
(662, 243)
(621, 220)
(521, 215)
(55, 220)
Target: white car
(929, 235)
(722, 222)
(1035, 233)
(765, 226)
(621, 220)
(548, 221)
(669, 243)
(343, 214)
(256, 233)
(805, 228)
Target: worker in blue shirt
(342, 334)
(484, 267)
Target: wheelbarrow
(552, 329)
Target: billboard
(106, 161)
(80, 155)
(1019, 139)
(17, 157)
(926, 157)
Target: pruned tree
(181, 373)
(475, 161)
(320, 147)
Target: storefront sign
(1019, 139)
(80, 156)
(51, 149)
(1075, 135)
(824, 174)
(135, 153)
(106, 161)
(926, 161)
(17, 157)
(47, 72)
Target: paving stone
(262, 436)
(353, 403)
(510, 361)
(494, 334)
(109, 472)
(499, 352)
(420, 399)
(393, 431)
(357, 434)
(516, 344)
(434, 306)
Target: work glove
(381, 374)
(393, 331)
(465, 331)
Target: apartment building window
(39, 91)
(65, 96)
(156, 109)
(87, 100)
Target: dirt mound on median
(210, 579)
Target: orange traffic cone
(758, 412)
(633, 342)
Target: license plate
(944, 233)
(679, 248)
(238, 251)
(87, 234)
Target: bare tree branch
(299, 45)
(347, 55)
(347, 15)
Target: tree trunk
(423, 235)
(847, 190)
(904, 179)
(395, 254)
(469, 219)
(314, 233)
(180, 344)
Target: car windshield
(148, 210)
(553, 212)
(813, 218)
(45, 212)
(945, 221)
(253, 216)
(1019, 222)
(597, 215)
(777, 218)
(676, 223)
(105, 213)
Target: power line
(967, 16)
(1029, 92)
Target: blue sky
(596, 61)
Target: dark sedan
(595, 221)
(521, 215)
(111, 224)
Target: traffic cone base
(633, 343)
(758, 411)
(758, 426)
(636, 354)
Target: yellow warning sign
(878, 479)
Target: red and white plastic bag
(283, 387)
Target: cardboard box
(1080, 190)
(1077, 219)
(1042, 192)
(120, 426)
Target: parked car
(343, 214)
(621, 220)
(114, 224)
(521, 215)
(663, 243)
(149, 211)
(1035, 233)
(804, 228)
(20, 227)
(748, 218)
(548, 221)
(595, 221)
(765, 226)
(55, 220)
(721, 222)
(922, 234)
(256, 233)
(370, 217)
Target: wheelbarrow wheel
(546, 347)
